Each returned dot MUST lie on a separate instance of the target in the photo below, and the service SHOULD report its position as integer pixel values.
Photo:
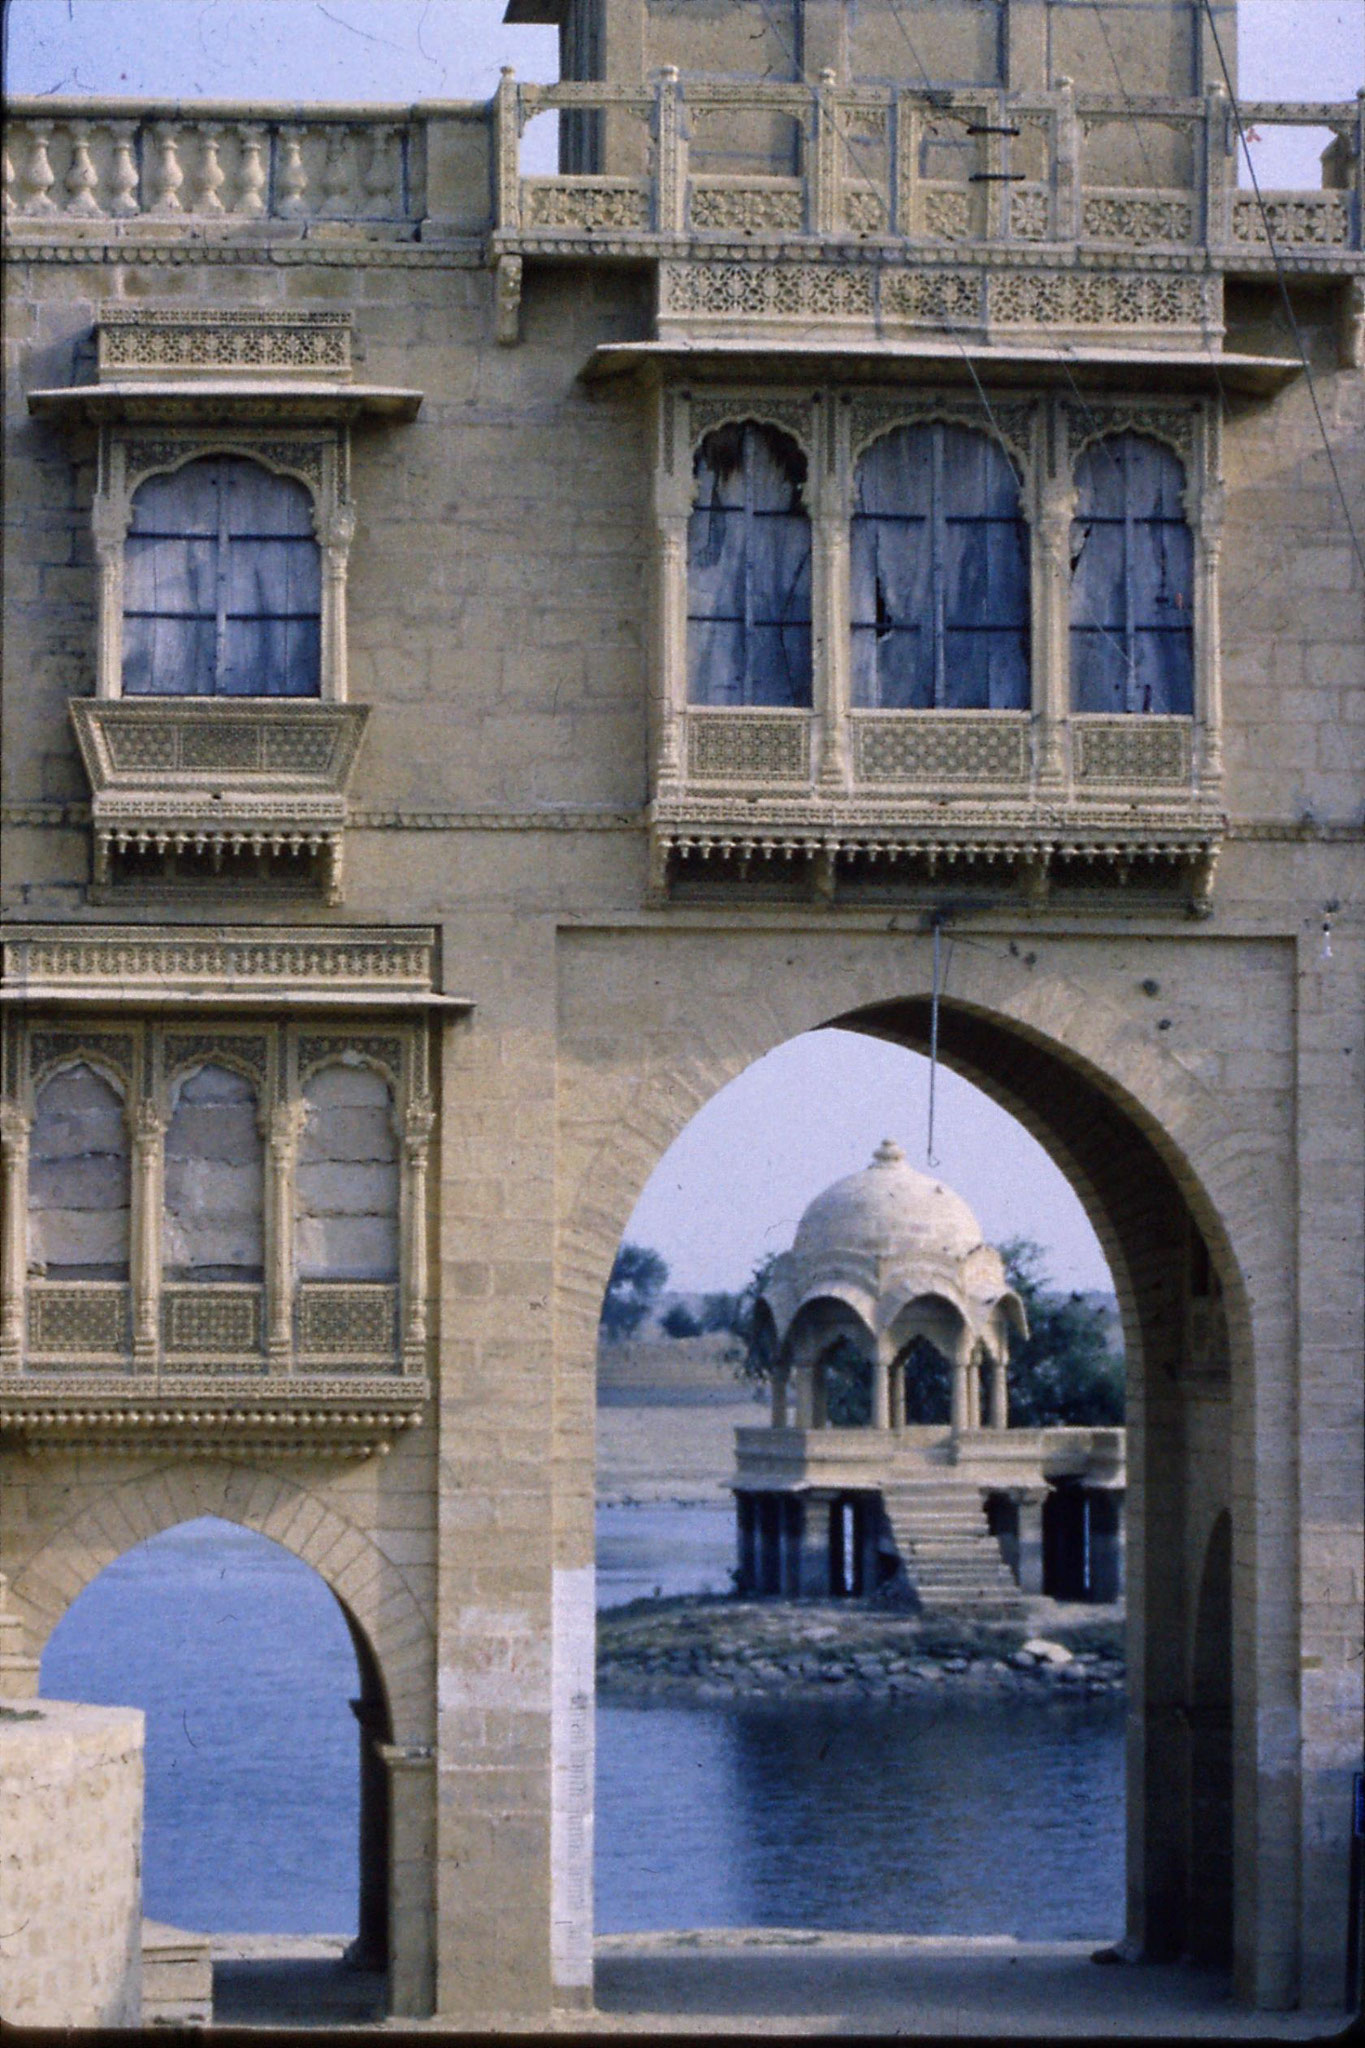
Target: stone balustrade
(870, 164)
(135, 160)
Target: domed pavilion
(961, 1514)
(882, 1258)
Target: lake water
(919, 1816)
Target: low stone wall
(71, 1781)
(710, 1650)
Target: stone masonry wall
(70, 1864)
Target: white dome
(885, 1212)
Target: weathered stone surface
(70, 1864)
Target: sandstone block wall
(70, 1864)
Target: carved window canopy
(177, 367)
(220, 781)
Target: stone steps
(950, 1557)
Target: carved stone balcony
(937, 793)
(214, 781)
(1104, 219)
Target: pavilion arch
(390, 1625)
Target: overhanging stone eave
(947, 359)
(248, 968)
(206, 399)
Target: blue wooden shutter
(222, 585)
(748, 578)
(1132, 581)
(940, 587)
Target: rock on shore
(705, 1648)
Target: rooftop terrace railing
(762, 161)
(720, 161)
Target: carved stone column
(670, 162)
(1206, 518)
(830, 615)
(780, 1386)
(281, 1128)
(335, 534)
(805, 1397)
(670, 682)
(881, 1386)
(1052, 621)
(998, 1397)
(418, 1124)
(974, 1390)
(824, 177)
(148, 1166)
(14, 1132)
(109, 521)
(961, 1404)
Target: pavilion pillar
(1028, 1508)
(881, 1386)
(781, 1385)
(1106, 1542)
(805, 1397)
(961, 1409)
(974, 1390)
(998, 1398)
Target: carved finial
(888, 1153)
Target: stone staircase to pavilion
(951, 1559)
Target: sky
(734, 1185)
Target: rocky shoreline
(712, 1649)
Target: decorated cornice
(253, 968)
(354, 1417)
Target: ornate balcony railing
(846, 163)
(929, 792)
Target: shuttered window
(1132, 581)
(939, 568)
(748, 625)
(222, 586)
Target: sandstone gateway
(488, 655)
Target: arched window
(214, 1180)
(78, 1186)
(748, 571)
(940, 586)
(1132, 580)
(221, 585)
(346, 1179)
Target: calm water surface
(913, 1816)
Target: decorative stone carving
(347, 1320)
(748, 746)
(947, 213)
(1030, 213)
(1102, 298)
(933, 298)
(791, 415)
(589, 204)
(806, 291)
(1137, 219)
(177, 1341)
(866, 211)
(89, 1320)
(210, 777)
(138, 341)
(1008, 419)
(1303, 220)
(348, 967)
(1132, 753)
(220, 1321)
(939, 747)
(771, 207)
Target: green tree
(638, 1278)
(1064, 1371)
(679, 1321)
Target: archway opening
(258, 1686)
(1041, 1152)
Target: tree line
(1065, 1371)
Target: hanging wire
(929, 1152)
(1290, 314)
